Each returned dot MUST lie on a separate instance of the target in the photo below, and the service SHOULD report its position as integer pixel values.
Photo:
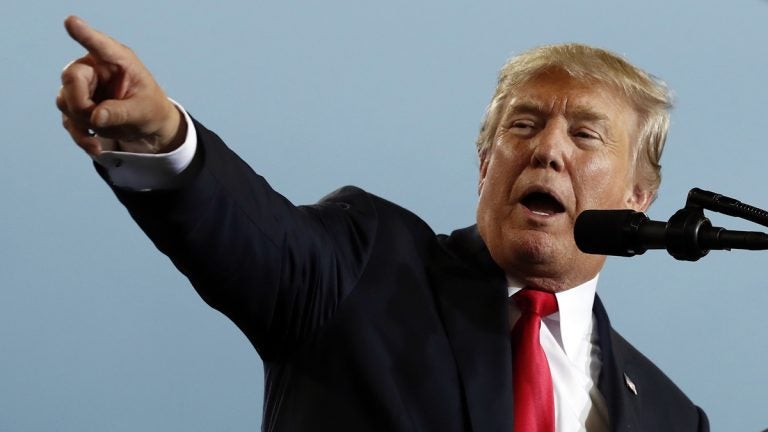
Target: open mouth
(542, 203)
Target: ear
(640, 198)
(483, 172)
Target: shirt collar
(573, 320)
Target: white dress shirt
(569, 338)
(147, 171)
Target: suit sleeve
(278, 271)
(703, 420)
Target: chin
(526, 250)
(545, 260)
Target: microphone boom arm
(688, 235)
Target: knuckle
(66, 76)
(60, 104)
(68, 65)
(69, 76)
(73, 124)
(73, 71)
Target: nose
(550, 147)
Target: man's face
(562, 146)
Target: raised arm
(278, 271)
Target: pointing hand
(109, 93)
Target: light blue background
(99, 332)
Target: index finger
(97, 43)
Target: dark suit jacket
(365, 319)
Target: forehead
(553, 92)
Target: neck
(549, 284)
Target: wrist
(173, 132)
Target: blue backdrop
(99, 332)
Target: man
(364, 318)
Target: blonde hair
(648, 95)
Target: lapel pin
(630, 385)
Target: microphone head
(607, 232)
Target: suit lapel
(472, 297)
(615, 381)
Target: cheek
(499, 176)
(508, 160)
(600, 183)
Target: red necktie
(534, 399)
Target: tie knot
(540, 303)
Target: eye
(586, 134)
(522, 124)
(522, 127)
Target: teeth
(541, 213)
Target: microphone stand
(690, 235)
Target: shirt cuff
(148, 171)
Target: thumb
(114, 113)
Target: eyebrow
(578, 112)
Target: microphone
(687, 236)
